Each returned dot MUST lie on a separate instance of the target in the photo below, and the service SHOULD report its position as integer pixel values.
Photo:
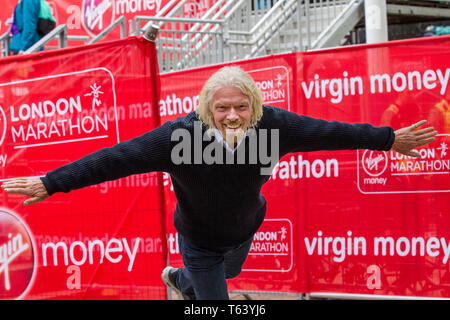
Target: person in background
(26, 16)
(431, 31)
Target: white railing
(227, 31)
(331, 25)
(121, 21)
(172, 9)
(247, 44)
(4, 42)
(239, 29)
(59, 33)
(181, 47)
(259, 27)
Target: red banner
(101, 242)
(91, 17)
(357, 222)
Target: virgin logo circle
(97, 15)
(374, 163)
(3, 125)
(17, 257)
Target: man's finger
(424, 141)
(413, 153)
(423, 131)
(13, 181)
(23, 179)
(22, 191)
(13, 184)
(32, 201)
(426, 135)
(418, 124)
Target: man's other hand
(28, 186)
(409, 138)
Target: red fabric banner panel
(362, 222)
(100, 242)
(357, 221)
(377, 222)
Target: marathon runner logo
(392, 172)
(97, 15)
(17, 257)
(273, 82)
(271, 249)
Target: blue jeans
(205, 270)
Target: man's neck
(230, 146)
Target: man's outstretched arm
(148, 152)
(406, 139)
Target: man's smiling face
(231, 111)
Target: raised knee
(232, 274)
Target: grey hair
(229, 76)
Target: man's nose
(232, 115)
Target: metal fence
(242, 29)
(231, 29)
(186, 44)
(228, 30)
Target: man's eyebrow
(218, 103)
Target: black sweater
(218, 204)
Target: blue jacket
(26, 16)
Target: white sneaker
(169, 277)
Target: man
(217, 178)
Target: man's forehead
(230, 95)
(231, 100)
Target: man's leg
(235, 258)
(204, 272)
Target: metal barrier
(348, 17)
(287, 26)
(181, 47)
(85, 39)
(170, 10)
(59, 33)
(249, 44)
(229, 30)
(4, 41)
(242, 29)
(6, 38)
(233, 29)
(123, 32)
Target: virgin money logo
(374, 163)
(3, 125)
(97, 15)
(17, 257)
(393, 172)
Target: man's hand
(31, 187)
(409, 138)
